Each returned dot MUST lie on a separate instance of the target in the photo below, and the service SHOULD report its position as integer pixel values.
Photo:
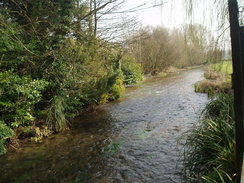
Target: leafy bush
(18, 95)
(116, 90)
(132, 72)
(5, 132)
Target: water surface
(132, 140)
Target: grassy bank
(209, 154)
(217, 79)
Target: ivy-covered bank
(53, 66)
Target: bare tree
(157, 49)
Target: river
(132, 140)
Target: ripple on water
(131, 140)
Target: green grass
(224, 67)
(209, 154)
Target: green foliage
(106, 89)
(132, 72)
(52, 64)
(72, 105)
(116, 90)
(210, 146)
(222, 106)
(5, 132)
(18, 95)
(55, 114)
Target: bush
(5, 132)
(18, 95)
(116, 90)
(132, 72)
(114, 93)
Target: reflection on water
(130, 140)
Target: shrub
(205, 86)
(18, 95)
(116, 90)
(132, 72)
(5, 132)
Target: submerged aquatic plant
(113, 148)
(209, 154)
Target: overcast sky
(173, 13)
(170, 14)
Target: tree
(156, 49)
(56, 60)
(196, 43)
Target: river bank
(210, 149)
(36, 132)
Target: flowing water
(132, 140)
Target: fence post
(237, 45)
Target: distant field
(224, 67)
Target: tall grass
(55, 115)
(209, 154)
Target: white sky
(168, 15)
(172, 13)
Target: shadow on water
(130, 140)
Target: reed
(55, 115)
(209, 154)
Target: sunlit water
(132, 140)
